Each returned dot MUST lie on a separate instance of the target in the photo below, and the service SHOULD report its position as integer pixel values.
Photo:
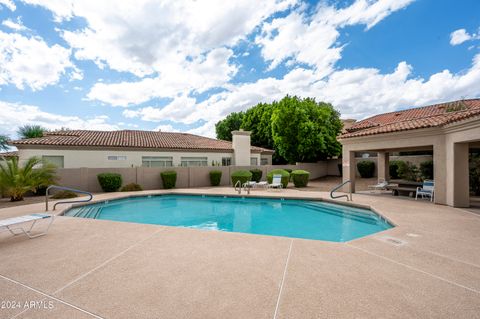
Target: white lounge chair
(427, 190)
(380, 186)
(276, 182)
(14, 223)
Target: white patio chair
(427, 190)
(13, 224)
(382, 185)
(276, 182)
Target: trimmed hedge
(284, 173)
(242, 176)
(109, 182)
(366, 168)
(215, 177)
(169, 179)
(408, 171)
(64, 194)
(132, 187)
(289, 170)
(393, 169)
(300, 178)
(256, 174)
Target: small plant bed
(64, 194)
(132, 187)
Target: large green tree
(31, 131)
(225, 127)
(304, 130)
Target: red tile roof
(416, 118)
(9, 154)
(131, 139)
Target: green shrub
(169, 179)
(284, 173)
(110, 182)
(426, 170)
(256, 174)
(366, 169)
(242, 176)
(64, 194)
(215, 177)
(132, 187)
(393, 169)
(408, 171)
(300, 178)
(289, 170)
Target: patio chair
(276, 182)
(380, 186)
(427, 190)
(13, 224)
(253, 184)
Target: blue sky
(182, 66)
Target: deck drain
(392, 240)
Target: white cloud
(13, 115)
(166, 128)
(461, 35)
(14, 25)
(9, 4)
(30, 61)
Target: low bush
(426, 170)
(256, 174)
(215, 177)
(132, 187)
(300, 178)
(289, 170)
(109, 182)
(242, 176)
(169, 179)
(366, 169)
(64, 194)
(393, 169)
(284, 173)
(408, 171)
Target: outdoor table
(404, 187)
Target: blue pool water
(266, 216)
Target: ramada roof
(131, 139)
(423, 117)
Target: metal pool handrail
(340, 196)
(239, 184)
(69, 201)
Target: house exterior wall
(77, 158)
(241, 148)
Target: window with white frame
(226, 161)
(117, 158)
(194, 161)
(57, 160)
(264, 161)
(253, 161)
(157, 161)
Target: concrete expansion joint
(283, 279)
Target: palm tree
(3, 143)
(31, 131)
(16, 180)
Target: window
(264, 161)
(117, 158)
(226, 161)
(194, 161)
(253, 161)
(55, 160)
(157, 161)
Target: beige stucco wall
(149, 178)
(241, 148)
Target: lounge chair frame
(12, 225)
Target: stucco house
(134, 148)
(450, 130)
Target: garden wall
(149, 178)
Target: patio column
(457, 175)
(349, 169)
(383, 173)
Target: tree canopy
(299, 130)
(231, 123)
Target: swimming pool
(266, 216)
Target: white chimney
(241, 148)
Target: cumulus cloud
(13, 115)
(461, 35)
(9, 4)
(14, 25)
(30, 61)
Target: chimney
(241, 147)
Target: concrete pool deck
(427, 266)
